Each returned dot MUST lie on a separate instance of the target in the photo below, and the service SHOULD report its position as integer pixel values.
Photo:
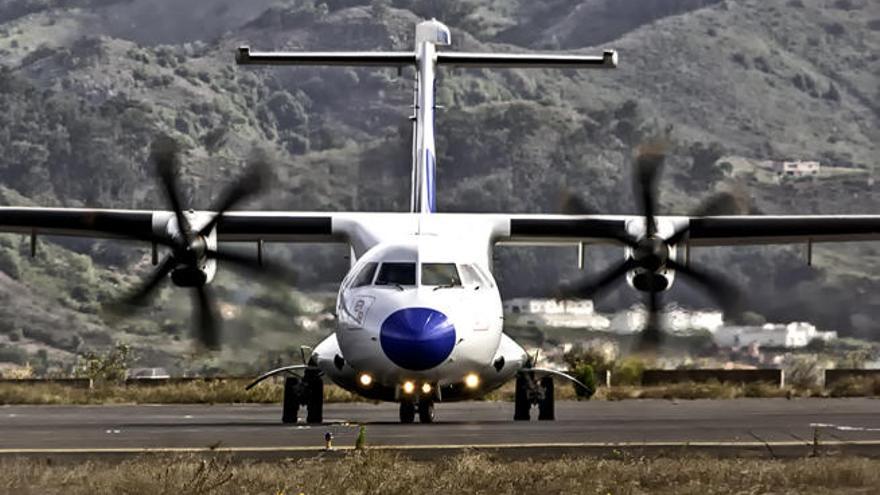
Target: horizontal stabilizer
(608, 60)
(365, 59)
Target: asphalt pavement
(773, 427)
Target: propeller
(652, 252)
(189, 249)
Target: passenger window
(365, 277)
(397, 274)
(445, 274)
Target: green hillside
(87, 85)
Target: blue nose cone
(417, 338)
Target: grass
(208, 392)
(377, 472)
(855, 387)
(232, 391)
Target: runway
(775, 427)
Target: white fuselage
(420, 307)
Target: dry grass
(209, 392)
(384, 473)
(856, 387)
(709, 390)
(232, 391)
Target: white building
(797, 168)
(675, 320)
(523, 305)
(578, 313)
(797, 334)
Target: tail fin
(429, 34)
(426, 59)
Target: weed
(370, 471)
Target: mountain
(86, 86)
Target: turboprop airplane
(419, 312)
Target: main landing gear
(532, 391)
(424, 406)
(308, 392)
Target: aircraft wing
(700, 231)
(149, 225)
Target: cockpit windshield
(365, 277)
(397, 274)
(440, 274)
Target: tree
(379, 8)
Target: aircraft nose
(417, 338)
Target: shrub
(803, 371)
(628, 372)
(9, 354)
(111, 366)
(10, 263)
(856, 386)
(835, 29)
(585, 374)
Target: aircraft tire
(291, 400)
(426, 411)
(315, 394)
(522, 407)
(407, 412)
(547, 405)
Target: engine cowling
(650, 257)
(194, 268)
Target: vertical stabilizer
(429, 34)
(426, 59)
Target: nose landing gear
(532, 391)
(308, 392)
(424, 406)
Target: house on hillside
(797, 168)
(676, 320)
(576, 313)
(791, 335)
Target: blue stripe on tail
(430, 171)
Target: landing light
(472, 380)
(426, 388)
(365, 379)
(409, 387)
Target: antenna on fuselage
(425, 58)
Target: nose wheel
(424, 407)
(530, 392)
(407, 412)
(308, 392)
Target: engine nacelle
(648, 281)
(194, 268)
(651, 274)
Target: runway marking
(491, 446)
(842, 427)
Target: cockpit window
(487, 279)
(365, 277)
(470, 276)
(397, 274)
(445, 274)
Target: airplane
(419, 314)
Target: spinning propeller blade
(190, 252)
(652, 253)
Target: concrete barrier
(660, 377)
(834, 376)
(67, 382)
